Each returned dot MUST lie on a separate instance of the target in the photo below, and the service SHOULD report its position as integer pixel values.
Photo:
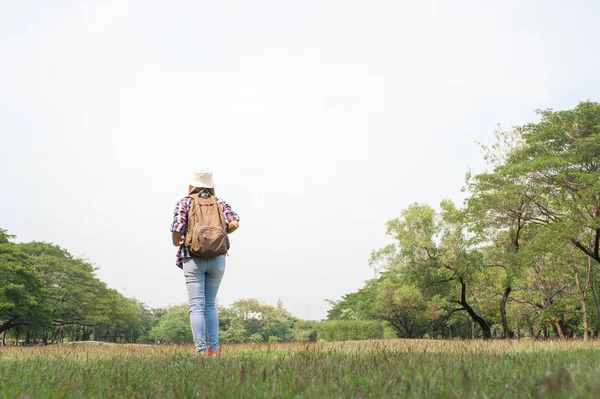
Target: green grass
(395, 368)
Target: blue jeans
(202, 279)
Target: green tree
(402, 305)
(499, 214)
(360, 305)
(173, 327)
(547, 283)
(561, 157)
(21, 297)
(66, 282)
(5, 238)
(149, 319)
(251, 320)
(256, 317)
(434, 250)
(544, 174)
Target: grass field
(395, 368)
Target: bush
(255, 338)
(233, 336)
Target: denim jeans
(202, 279)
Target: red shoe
(211, 353)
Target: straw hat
(202, 177)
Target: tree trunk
(472, 329)
(485, 328)
(595, 293)
(3, 338)
(583, 295)
(505, 328)
(559, 330)
(54, 335)
(27, 336)
(531, 330)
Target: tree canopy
(518, 258)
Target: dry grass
(407, 368)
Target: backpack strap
(193, 198)
(221, 215)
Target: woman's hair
(197, 190)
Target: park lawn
(373, 369)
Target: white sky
(321, 119)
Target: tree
(545, 174)
(79, 303)
(524, 250)
(252, 320)
(173, 327)
(21, 298)
(498, 214)
(402, 305)
(149, 319)
(547, 280)
(561, 156)
(433, 250)
(75, 297)
(360, 305)
(69, 286)
(5, 238)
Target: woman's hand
(233, 226)
(177, 238)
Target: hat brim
(202, 184)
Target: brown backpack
(206, 235)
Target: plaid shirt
(180, 217)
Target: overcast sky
(321, 119)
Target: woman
(202, 274)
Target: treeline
(519, 258)
(48, 296)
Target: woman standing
(200, 226)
